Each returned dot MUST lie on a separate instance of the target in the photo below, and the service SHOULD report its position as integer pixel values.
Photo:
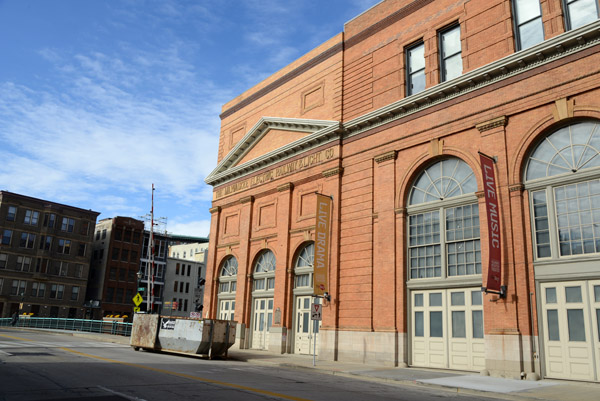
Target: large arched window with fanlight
(443, 222)
(227, 288)
(263, 292)
(563, 179)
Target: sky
(101, 99)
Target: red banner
(493, 221)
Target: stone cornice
(516, 187)
(247, 199)
(333, 172)
(215, 209)
(285, 187)
(385, 156)
(491, 124)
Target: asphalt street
(50, 366)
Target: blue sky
(101, 99)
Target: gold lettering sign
(278, 172)
(322, 241)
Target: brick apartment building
(116, 256)
(388, 118)
(44, 256)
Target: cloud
(199, 228)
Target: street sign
(196, 315)
(141, 288)
(136, 309)
(315, 311)
(137, 300)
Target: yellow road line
(169, 372)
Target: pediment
(272, 139)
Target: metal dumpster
(207, 337)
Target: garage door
(447, 329)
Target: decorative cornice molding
(284, 79)
(247, 199)
(333, 172)
(480, 194)
(229, 244)
(516, 187)
(300, 230)
(491, 124)
(263, 238)
(385, 156)
(215, 209)
(285, 187)
(401, 211)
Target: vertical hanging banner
(493, 223)
(322, 239)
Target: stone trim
(563, 108)
(215, 209)
(285, 187)
(491, 124)
(230, 244)
(299, 230)
(385, 157)
(332, 172)
(401, 211)
(247, 199)
(480, 194)
(516, 187)
(264, 237)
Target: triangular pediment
(271, 139)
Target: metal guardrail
(93, 326)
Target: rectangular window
(112, 274)
(127, 236)
(119, 295)
(23, 263)
(425, 259)
(270, 283)
(125, 255)
(63, 268)
(224, 287)
(38, 290)
(81, 250)
(450, 53)
(31, 217)
(11, 215)
(177, 268)
(134, 257)
(181, 287)
(122, 274)
(79, 271)
(41, 266)
(49, 220)
(436, 324)
(176, 286)
(415, 69)
(45, 242)
(27, 240)
(419, 327)
(580, 12)
(6, 237)
(85, 227)
(463, 246)
(3, 260)
(104, 234)
(477, 323)
(118, 234)
(74, 293)
(64, 246)
(97, 235)
(189, 270)
(67, 224)
(115, 253)
(136, 237)
(187, 288)
(529, 29)
(57, 291)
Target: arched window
(562, 175)
(264, 272)
(303, 269)
(228, 277)
(443, 222)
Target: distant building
(194, 251)
(184, 286)
(117, 249)
(44, 256)
(153, 274)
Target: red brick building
(388, 118)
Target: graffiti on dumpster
(167, 324)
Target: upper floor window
(64, 246)
(450, 53)
(528, 23)
(415, 69)
(264, 272)
(67, 224)
(563, 176)
(443, 222)
(12, 213)
(6, 237)
(27, 240)
(49, 220)
(580, 12)
(304, 267)
(228, 277)
(31, 217)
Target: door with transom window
(263, 291)
(306, 330)
(263, 319)
(571, 315)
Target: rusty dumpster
(207, 337)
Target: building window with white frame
(228, 277)
(303, 270)
(11, 215)
(64, 246)
(27, 240)
(450, 53)
(68, 224)
(529, 29)
(415, 68)
(563, 179)
(31, 217)
(443, 222)
(3, 260)
(6, 237)
(579, 13)
(23, 263)
(264, 272)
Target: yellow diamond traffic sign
(137, 300)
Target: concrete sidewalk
(464, 382)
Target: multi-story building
(189, 251)
(117, 249)
(153, 271)
(44, 256)
(184, 286)
(390, 118)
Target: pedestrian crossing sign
(137, 300)
(136, 309)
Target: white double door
(571, 329)
(227, 309)
(447, 329)
(262, 322)
(305, 337)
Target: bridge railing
(93, 326)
